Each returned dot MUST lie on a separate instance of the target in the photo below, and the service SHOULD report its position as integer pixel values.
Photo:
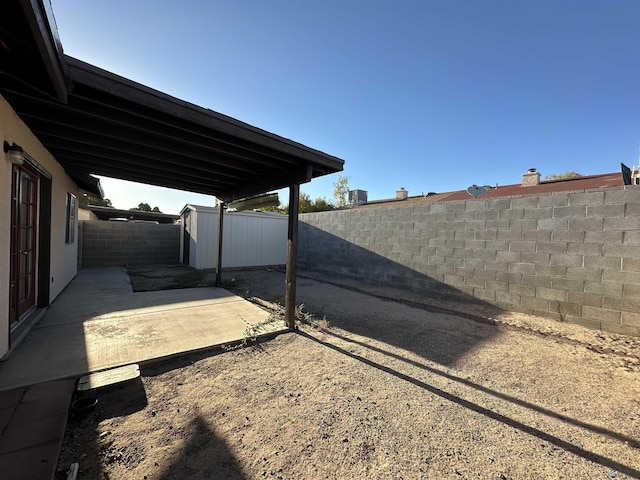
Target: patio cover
(96, 122)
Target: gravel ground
(375, 385)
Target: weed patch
(250, 334)
(190, 279)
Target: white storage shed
(249, 238)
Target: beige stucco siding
(5, 218)
(85, 215)
(63, 257)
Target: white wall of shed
(250, 239)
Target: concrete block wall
(120, 243)
(569, 256)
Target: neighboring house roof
(578, 183)
(550, 186)
(115, 127)
(107, 213)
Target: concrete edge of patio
(214, 349)
(232, 343)
(33, 418)
(94, 327)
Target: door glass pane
(22, 284)
(31, 217)
(23, 264)
(22, 240)
(22, 212)
(24, 186)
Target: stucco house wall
(86, 215)
(63, 256)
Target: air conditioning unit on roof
(357, 197)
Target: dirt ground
(375, 385)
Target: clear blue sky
(426, 95)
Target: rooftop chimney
(401, 194)
(531, 178)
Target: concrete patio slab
(32, 429)
(98, 322)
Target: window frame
(71, 219)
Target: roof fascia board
(39, 15)
(115, 212)
(88, 183)
(97, 78)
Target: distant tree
(142, 207)
(341, 191)
(87, 199)
(274, 208)
(307, 205)
(145, 207)
(321, 205)
(562, 176)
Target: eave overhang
(31, 55)
(99, 123)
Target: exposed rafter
(114, 127)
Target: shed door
(186, 238)
(24, 203)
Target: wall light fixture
(15, 153)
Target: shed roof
(215, 211)
(109, 125)
(107, 213)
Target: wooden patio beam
(292, 262)
(220, 225)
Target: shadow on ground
(94, 451)
(195, 460)
(81, 442)
(573, 448)
(443, 337)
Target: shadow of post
(336, 257)
(511, 422)
(323, 252)
(635, 443)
